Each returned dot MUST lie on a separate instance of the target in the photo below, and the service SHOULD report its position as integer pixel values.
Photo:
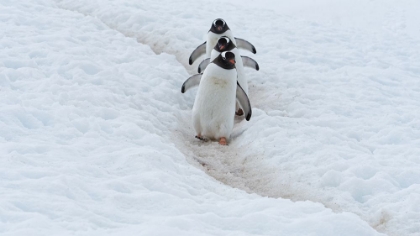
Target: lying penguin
(218, 28)
(214, 105)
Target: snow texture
(97, 139)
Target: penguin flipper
(200, 50)
(243, 101)
(249, 62)
(191, 82)
(242, 43)
(203, 65)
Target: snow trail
(328, 126)
(299, 93)
(225, 164)
(229, 165)
(85, 147)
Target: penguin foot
(222, 141)
(201, 138)
(240, 112)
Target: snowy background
(96, 137)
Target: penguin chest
(219, 83)
(218, 90)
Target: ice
(96, 138)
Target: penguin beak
(222, 47)
(219, 28)
(232, 61)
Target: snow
(97, 139)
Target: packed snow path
(95, 134)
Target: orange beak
(219, 28)
(222, 47)
(232, 61)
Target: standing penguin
(218, 28)
(226, 44)
(214, 105)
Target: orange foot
(222, 141)
(240, 112)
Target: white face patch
(214, 22)
(223, 55)
(227, 39)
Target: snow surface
(96, 138)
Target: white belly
(214, 106)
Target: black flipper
(191, 82)
(249, 62)
(243, 101)
(242, 43)
(200, 50)
(203, 65)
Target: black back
(224, 60)
(219, 26)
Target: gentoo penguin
(218, 28)
(226, 44)
(214, 105)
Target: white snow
(97, 139)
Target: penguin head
(226, 60)
(229, 57)
(224, 44)
(219, 26)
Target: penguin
(226, 44)
(214, 105)
(218, 28)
